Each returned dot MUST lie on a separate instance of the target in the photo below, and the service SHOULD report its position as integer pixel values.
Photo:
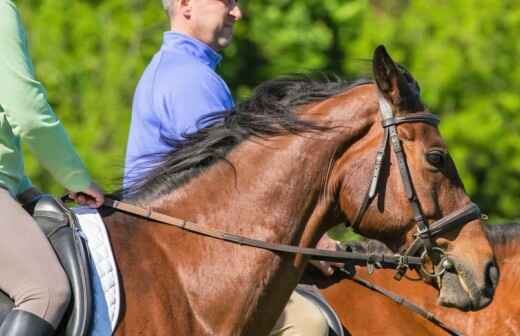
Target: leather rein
(352, 258)
(401, 262)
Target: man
(30, 272)
(179, 87)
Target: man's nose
(236, 12)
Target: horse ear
(391, 80)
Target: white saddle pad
(101, 252)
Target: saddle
(62, 229)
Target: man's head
(210, 21)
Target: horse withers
(285, 166)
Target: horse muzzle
(460, 288)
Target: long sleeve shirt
(25, 115)
(178, 87)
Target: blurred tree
(90, 55)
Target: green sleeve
(24, 101)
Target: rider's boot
(22, 323)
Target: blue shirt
(177, 88)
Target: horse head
(411, 181)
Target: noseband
(425, 233)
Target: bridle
(424, 235)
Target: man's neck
(178, 27)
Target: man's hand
(92, 197)
(326, 243)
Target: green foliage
(90, 55)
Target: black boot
(22, 323)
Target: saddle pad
(96, 236)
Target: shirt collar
(191, 46)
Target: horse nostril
(492, 275)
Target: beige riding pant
(300, 318)
(30, 272)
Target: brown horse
(365, 312)
(286, 166)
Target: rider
(30, 271)
(179, 87)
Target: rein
(351, 258)
(404, 302)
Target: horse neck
(266, 193)
(275, 193)
(270, 188)
(272, 197)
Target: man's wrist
(29, 195)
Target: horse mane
(503, 234)
(498, 234)
(367, 246)
(269, 112)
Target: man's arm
(24, 101)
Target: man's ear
(184, 7)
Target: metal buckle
(402, 267)
(372, 264)
(423, 233)
(445, 263)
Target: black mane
(502, 234)
(368, 246)
(269, 112)
(498, 234)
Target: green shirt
(26, 115)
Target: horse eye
(436, 158)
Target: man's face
(213, 21)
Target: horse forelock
(269, 112)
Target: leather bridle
(425, 233)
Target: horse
(366, 312)
(284, 167)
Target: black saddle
(62, 229)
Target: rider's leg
(30, 272)
(300, 318)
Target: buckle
(445, 263)
(423, 233)
(402, 267)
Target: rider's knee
(49, 298)
(59, 291)
(314, 323)
(301, 318)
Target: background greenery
(90, 55)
